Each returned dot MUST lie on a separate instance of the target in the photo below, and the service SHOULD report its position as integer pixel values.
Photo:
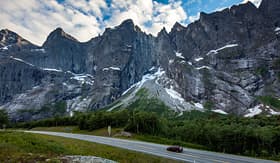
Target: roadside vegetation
(256, 137)
(27, 147)
(4, 119)
(150, 120)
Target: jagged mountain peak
(125, 28)
(128, 23)
(8, 38)
(6, 31)
(59, 34)
(248, 4)
(162, 32)
(247, 8)
(210, 16)
(178, 27)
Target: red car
(177, 149)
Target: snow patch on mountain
(83, 78)
(179, 55)
(20, 60)
(160, 87)
(198, 59)
(145, 78)
(216, 51)
(39, 50)
(78, 103)
(254, 111)
(4, 48)
(25, 62)
(174, 94)
(152, 68)
(198, 105)
(171, 61)
(51, 69)
(272, 112)
(219, 111)
(111, 68)
(203, 67)
(277, 30)
(130, 88)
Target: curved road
(188, 155)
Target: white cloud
(256, 2)
(35, 19)
(139, 11)
(84, 19)
(156, 15)
(220, 9)
(167, 15)
(94, 6)
(194, 17)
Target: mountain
(226, 61)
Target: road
(188, 155)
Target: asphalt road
(188, 155)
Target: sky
(85, 19)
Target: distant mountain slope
(223, 62)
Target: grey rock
(85, 159)
(226, 57)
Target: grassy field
(103, 132)
(26, 147)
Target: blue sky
(84, 19)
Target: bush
(271, 101)
(276, 64)
(4, 120)
(144, 122)
(262, 71)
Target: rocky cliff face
(225, 59)
(228, 49)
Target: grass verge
(27, 147)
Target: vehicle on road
(177, 149)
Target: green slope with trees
(151, 120)
(258, 136)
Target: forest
(258, 136)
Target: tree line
(258, 136)
(4, 119)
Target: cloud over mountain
(84, 19)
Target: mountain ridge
(226, 58)
(176, 24)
